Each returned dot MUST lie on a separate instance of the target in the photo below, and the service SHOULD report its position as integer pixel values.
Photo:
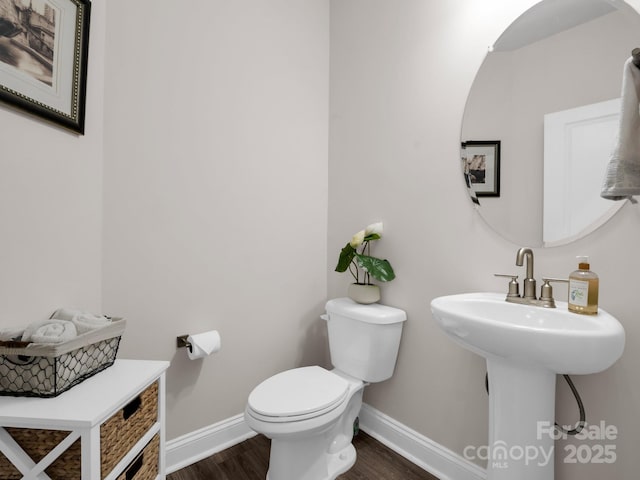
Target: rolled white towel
(50, 331)
(11, 333)
(85, 322)
(65, 313)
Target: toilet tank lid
(372, 313)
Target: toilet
(309, 412)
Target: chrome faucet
(529, 284)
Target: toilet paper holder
(182, 342)
(199, 345)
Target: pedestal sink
(525, 347)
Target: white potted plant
(356, 257)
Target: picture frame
(481, 166)
(44, 48)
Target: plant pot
(362, 293)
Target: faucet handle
(546, 290)
(514, 287)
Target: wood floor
(249, 461)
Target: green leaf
(379, 269)
(372, 236)
(346, 256)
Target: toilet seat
(297, 394)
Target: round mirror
(542, 117)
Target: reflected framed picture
(481, 166)
(43, 58)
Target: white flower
(357, 239)
(373, 228)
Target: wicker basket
(120, 433)
(39, 370)
(36, 444)
(145, 466)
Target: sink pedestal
(521, 419)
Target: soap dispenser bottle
(583, 289)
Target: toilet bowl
(309, 412)
(312, 428)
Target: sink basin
(525, 347)
(553, 338)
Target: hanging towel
(622, 177)
(50, 331)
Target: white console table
(81, 411)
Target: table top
(88, 403)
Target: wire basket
(39, 370)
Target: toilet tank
(364, 339)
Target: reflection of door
(577, 146)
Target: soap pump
(583, 289)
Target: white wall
(215, 203)
(400, 75)
(50, 205)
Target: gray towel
(622, 178)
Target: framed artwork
(481, 166)
(43, 58)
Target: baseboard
(418, 449)
(195, 446)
